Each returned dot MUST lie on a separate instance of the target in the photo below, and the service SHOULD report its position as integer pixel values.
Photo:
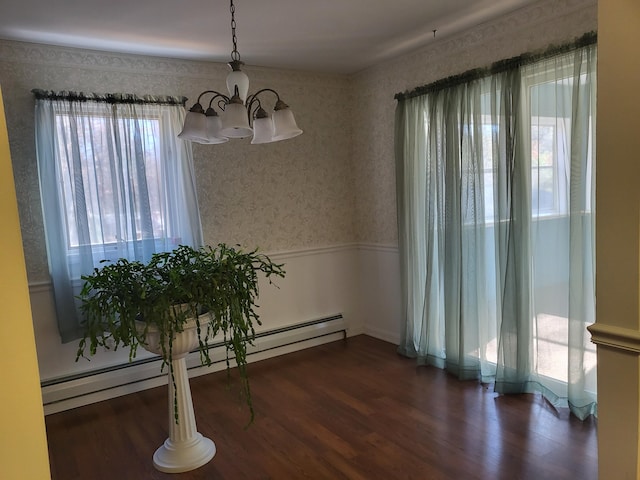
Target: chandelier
(241, 114)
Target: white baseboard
(67, 393)
(381, 334)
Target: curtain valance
(127, 98)
(589, 38)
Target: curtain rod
(108, 97)
(589, 38)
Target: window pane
(543, 170)
(121, 200)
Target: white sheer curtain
(115, 182)
(495, 181)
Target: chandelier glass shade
(241, 114)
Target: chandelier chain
(235, 55)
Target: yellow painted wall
(618, 164)
(23, 441)
(618, 236)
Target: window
(548, 140)
(495, 224)
(115, 181)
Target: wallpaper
(528, 29)
(333, 185)
(293, 194)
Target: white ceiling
(341, 36)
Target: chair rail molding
(620, 338)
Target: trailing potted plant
(177, 302)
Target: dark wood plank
(346, 410)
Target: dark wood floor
(346, 410)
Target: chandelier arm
(216, 95)
(254, 97)
(251, 110)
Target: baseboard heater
(80, 389)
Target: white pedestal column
(185, 449)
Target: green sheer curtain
(495, 181)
